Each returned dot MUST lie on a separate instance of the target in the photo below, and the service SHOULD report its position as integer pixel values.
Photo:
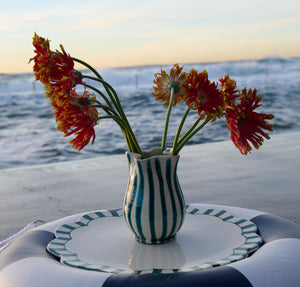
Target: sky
(118, 33)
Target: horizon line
(270, 56)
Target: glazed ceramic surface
(101, 241)
(154, 206)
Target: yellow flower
(164, 83)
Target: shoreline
(213, 173)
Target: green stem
(136, 148)
(187, 133)
(127, 131)
(88, 66)
(96, 104)
(108, 88)
(101, 94)
(132, 143)
(99, 78)
(164, 138)
(124, 118)
(184, 141)
(114, 97)
(179, 130)
(116, 119)
(129, 143)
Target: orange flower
(228, 88)
(245, 124)
(77, 114)
(203, 95)
(164, 83)
(41, 59)
(54, 69)
(75, 117)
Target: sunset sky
(114, 33)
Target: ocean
(28, 133)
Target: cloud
(36, 16)
(19, 36)
(18, 20)
(136, 32)
(7, 23)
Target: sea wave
(28, 133)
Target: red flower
(54, 69)
(164, 83)
(245, 124)
(203, 95)
(41, 59)
(228, 88)
(75, 117)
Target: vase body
(154, 206)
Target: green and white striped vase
(154, 206)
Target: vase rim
(153, 153)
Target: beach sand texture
(216, 173)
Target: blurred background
(256, 42)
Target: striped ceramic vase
(154, 206)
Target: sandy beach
(216, 173)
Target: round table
(25, 260)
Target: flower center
(202, 97)
(175, 85)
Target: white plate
(101, 241)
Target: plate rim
(57, 246)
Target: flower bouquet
(77, 115)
